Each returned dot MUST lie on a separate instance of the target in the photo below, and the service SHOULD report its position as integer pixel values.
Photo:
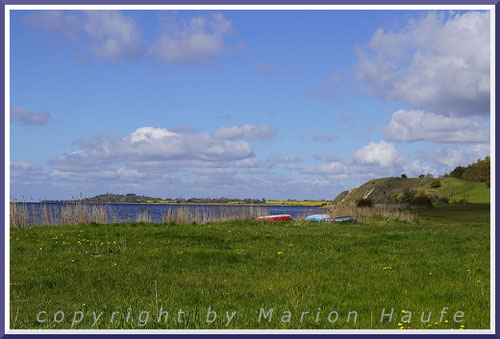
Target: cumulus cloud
(416, 125)
(382, 154)
(195, 40)
(452, 157)
(112, 34)
(149, 144)
(438, 62)
(245, 132)
(27, 117)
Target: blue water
(130, 212)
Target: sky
(242, 104)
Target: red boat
(278, 217)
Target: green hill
(388, 190)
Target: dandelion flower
(430, 273)
(399, 324)
(280, 252)
(446, 321)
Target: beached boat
(277, 217)
(319, 217)
(346, 219)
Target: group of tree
(477, 172)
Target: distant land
(129, 198)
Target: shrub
(436, 183)
(442, 200)
(364, 202)
(421, 201)
(406, 196)
(404, 176)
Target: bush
(436, 183)
(442, 200)
(404, 176)
(421, 201)
(364, 202)
(406, 196)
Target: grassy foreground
(443, 260)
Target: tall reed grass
(202, 215)
(390, 212)
(22, 214)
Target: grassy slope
(385, 188)
(237, 266)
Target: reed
(203, 215)
(143, 215)
(389, 212)
(19, 214)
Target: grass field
(442, 260)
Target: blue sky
(260, 104)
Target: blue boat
(346, 219)
(320, 217)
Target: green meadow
(126, 276)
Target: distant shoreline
(160, 203)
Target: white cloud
(195, 41)
(459, 156)
(115, 34)
(67, 23)
(151, 145)
(29, 118)
(416, 125)
(112, 34)
(382, 154)
(247, 132)
(438, 62)
(269, 163)
(417, 167)
(23, 166)
(332, 168)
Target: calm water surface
(130, 212)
